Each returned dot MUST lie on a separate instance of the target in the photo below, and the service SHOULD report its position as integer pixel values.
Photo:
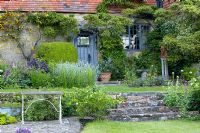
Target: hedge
(57, 52)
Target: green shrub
(15, 76)
(74, 75)
(87, 102)
(57, 52)
(194, 103)
(4, 119)
(11, 119)
(172, 97)
(177, 96)
(40, 78)
(42, 110)
(188, 73)
(155, 81)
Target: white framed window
(83, 41)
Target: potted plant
(105, 69)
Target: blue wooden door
(87, 48)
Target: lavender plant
(75, 75)
(23, 130)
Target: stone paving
(70, 125)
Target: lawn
(126, 89)
(106, 89)
(173, 126)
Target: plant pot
(105, 77)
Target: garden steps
(129, 104)
(139, 110)
(142, 107)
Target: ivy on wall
(11, 26)
(110, 27)
(50, 24)
(54, 24)
(103, 7)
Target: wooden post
(22, 109)
(60, 110)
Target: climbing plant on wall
(103, 6)
(50, 24)
(54, 24)
(110, 27)
(11, 26)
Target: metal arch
(41, 100)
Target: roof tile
(69, 6)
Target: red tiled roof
(65, 6)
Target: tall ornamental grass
(75, 75)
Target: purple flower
(23, 130)
(34, 63)
(8, 72)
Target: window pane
(83, 41)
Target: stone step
(141, 110)
(145, 116)
(139, 96)
(142, 107)
(132, 104)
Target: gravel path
(70, 125)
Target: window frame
(79, 42)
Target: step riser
(139, 96)
(131, 104)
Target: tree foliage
(178, 30)
(181, 30)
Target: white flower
(1, 71)
(181, 70)
(190, 72)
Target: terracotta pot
(105, 77)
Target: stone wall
(11, 53)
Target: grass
(106, 89)
(18, 90)
(173, 126)
(125, 89)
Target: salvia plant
(75, 75)
(23, 130)
(34, 63)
